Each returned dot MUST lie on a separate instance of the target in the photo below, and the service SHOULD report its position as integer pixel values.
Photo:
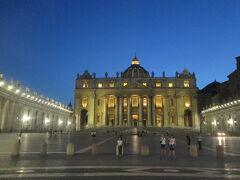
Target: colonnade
(17, 115)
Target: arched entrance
(84, 117)
(188, 118)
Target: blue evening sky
(45, 43)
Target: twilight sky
(45, 43)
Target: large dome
(135, 70)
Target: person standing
(120, 147)
(188, 141)
(163, 145)
(172, 144)
(199, 140)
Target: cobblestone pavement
(56, 165)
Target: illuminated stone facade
(220, 105)
(134, 98)
(21, 110)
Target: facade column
(179, 121)
(104, 110)
(195, 117)
(129, 112)
(149, 104)
(116, 122)
(120, 111)
(92, 113)
(140, 119)
(165, 106)
(153, 112)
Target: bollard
(43, 149)
(70, 149)
(220, 151)
(16, 149)
(193, 150)
(95, 149)
(145, 150)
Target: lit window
(99, 85)
(144, 84)
(186, 83)
(158, 84)
(134, 101)
(125, 102)
(170, 84)
(134, 116)
(85, 85)
(125, 84)
(84, 101)
(144, 102)
(111, 101)
(159, 101)
(187, 102)
(111, 84)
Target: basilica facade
(136, 98)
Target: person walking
(172, 144)
(19, 135)
(120, 147)
(188, 141)
(199, 140)
(163, 145)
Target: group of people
(199, 141)
(171, 142)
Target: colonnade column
(120, 111)
(9, 123)
(140, 120)
(165, 106)
(4, 111)
(116, 122)
(149, 119)
(153, 112)
(129, 112)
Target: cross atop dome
(135, 60)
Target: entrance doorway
(188, 118)
(84, 118)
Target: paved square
(56, 165)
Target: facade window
(125, 84)
(125, 102)
(158, 101)
(186, 83)
(84, 101)
(144, 84)
(111, 101)
(134, 116)
(144, 102)
(170, 84)
(158, 84)
(187, 102)
(85, 85)
(111, 84)
(134, 101)
(99, 85)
